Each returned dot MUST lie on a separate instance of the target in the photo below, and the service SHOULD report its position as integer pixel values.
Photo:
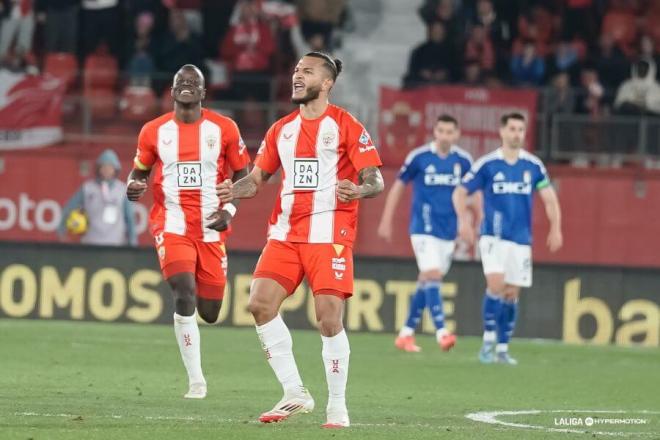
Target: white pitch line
(490, 417)
(219, 420)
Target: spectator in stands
(216, 16)
(527, 67)
(248, 48)
(99, 22)
(479, 48)
(472, 73)
(641, 93)
(433, 61)
(499, 30)
(591, 93)
(61, 24)
(16, 29)
(566, 58)
(320, 17)
(647, 49)
(103, 199)
(178, 46)
(141, 65)
(192, 11)
(537, 25)
(610, 62)
(579, 19)
(620, 22)
(561, 98)
(445, 11)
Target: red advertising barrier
(30, 110)
(609, 217)
(407, 117)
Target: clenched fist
(136, 189)
(347, 191)
(224, 191)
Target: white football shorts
(503, 256)
(432, 253)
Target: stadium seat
(101, 71)
(102, 103)
(138, 103)
(62, 65)
(100, 79)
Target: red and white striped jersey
(188, 160)
(314, 156)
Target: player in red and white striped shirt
(189, 151)
(328, 162)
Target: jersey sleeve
(146, 155)
(475, 179)
(235, 149)
(409, 169)
(360, 148)
(541, 177)
(268, 158)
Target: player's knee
(209, 314)
(261, 310)
(330, 326)
(430, 275)
(511, 293)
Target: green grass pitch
(64, 380)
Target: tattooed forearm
(371, 182)
(238, 175)
(248, 186)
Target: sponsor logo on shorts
(339, 266)
(161, 252)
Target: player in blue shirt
(435, 169)
(508, 178)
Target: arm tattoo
(247, 187)
(238, 175)
(371, 182)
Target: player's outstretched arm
(459, 198)
(245, 188)
(393, 197)
(371, 184)
(136, 185)
(553, 211)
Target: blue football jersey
(434, 179)
(508, 193)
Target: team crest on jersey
(527, 177)
(328, 138)
(211, 141)
(365, 139)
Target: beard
(311, 93)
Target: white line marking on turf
(205, 419)
(490, 417)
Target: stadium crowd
(594, 55)
(237, 42)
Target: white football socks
(490, 337)
(278, 346)
(441, 333)
(336, 352)
(406, 331)
(187, 336)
